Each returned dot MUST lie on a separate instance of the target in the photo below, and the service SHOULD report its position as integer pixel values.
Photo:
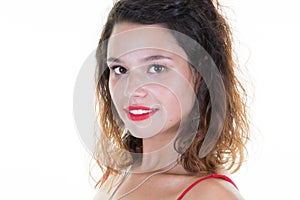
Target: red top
(219, 176)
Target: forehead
(129, 37)
(145, 55)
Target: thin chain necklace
(146, 179)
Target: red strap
(219, 176)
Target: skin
(165, 83)
(153, 78)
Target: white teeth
(139, 112)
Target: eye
(156, 68)
(119, 69)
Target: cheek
(115, 93)
(111, 87)
(181, 99)
(169, 101)
(111, 84)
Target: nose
(135, 85)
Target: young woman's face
(150, 82)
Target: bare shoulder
(214, 189)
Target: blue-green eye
(156, 68)
(119, 69)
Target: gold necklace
(145, 180)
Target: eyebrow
(149, 58)
(156, 57)
(114, 60)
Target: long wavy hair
(203, 21)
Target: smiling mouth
(138, 113)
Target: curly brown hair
(201, 20)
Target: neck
(161, 140)
(158, 153)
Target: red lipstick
(138, 113)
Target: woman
(171, 110)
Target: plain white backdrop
(42, 47)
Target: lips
(138, 113)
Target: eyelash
(118, 66)
(157, 65)
(162, 67)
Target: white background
(42, 47)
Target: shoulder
(213, 189)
